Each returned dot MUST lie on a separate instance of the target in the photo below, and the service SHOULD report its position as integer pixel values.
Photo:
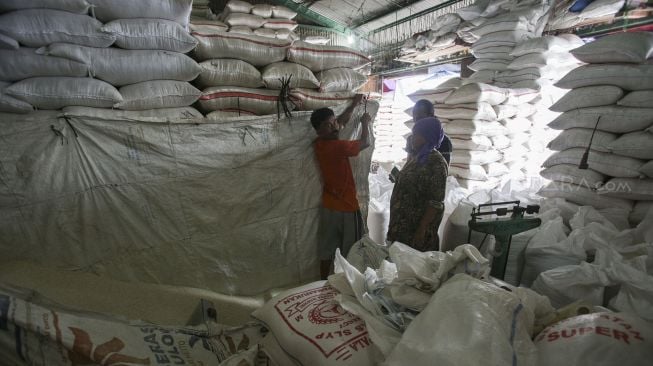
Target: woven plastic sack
(279, 11)
(568, 173)
(481, 111)
(280, 24)
(630, 47)
(300, 76)
(469, 127)
(256, 101)
(596, 339)
(150, 34)
(560, 43)
(477, 92)
(605, 163)
(122, 67)
(580, 137)
(227, 115)
(614, 119)
(628, 188)
(313, 328)
(568, 284)
(639, 212)
(228, 72)
(241, 29)
(10, 104)
(58, 92)
(246, 20)
(471, 172)
(470, 157)
(173, 115)
(637, 145)
(518, 96)
(157, 94)
(25, 63)
(308, 100)
(238, 6)
(540, 60)
(262, 10)
(40, 27)
(275, 33)
(256, 50)
(175, 10)
(647, 169)
(473, 142)
(489, 64)
(625, 76)
(8, 43)
(641, 99)
(318, 58)
(340, 79)
(583, 196)
(205, 26)
(589, 96)
(72, 6)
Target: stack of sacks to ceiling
(246, 74)
(272, 21)
(612, 93)
(538, 64)
(441, 35)
(570, 13)
(59, 49)
(389, 130)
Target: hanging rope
(284, 98)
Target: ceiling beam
(382, 12)
(314, 16)
(411, 17)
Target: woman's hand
(419, 239)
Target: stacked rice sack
(538, 64)
(442, 35)
(272, 21)
(132, 51)
(244, 74)
(570, 13)
(612, 92)
(389, 131)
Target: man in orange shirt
(341, 224)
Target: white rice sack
(471, 172)
(589, 96)
(246, 20)
(523, 20)
(540, 60)
(496, 169)
(10, 104)
(470, 127)
(489, 64)
(275, 33)
(446, 23)
(602, 8)
(477, 92)
(154, 115)
(340, 79)
(308, 100)
(238, 6)
(255, 101)
(504, 111)
(175, 10)
(560, 43)
(157, 94)
(206, 26)
(483, 76)
(58, 92)
(501, 142)
(241, 29)
(227, 115)
(498, 39)
(71, 6)
(25, 63)
(439, 93)
(519, 96)
(475, 111)
(515, 76)
(280, 24)
(647, 169)
(256, 50)
(625, 76)
(641, 99)
(122, 67)
(470, 157)
(613, 119)
(228, 72)
(628, 188)
(640, 210)
(471, 142)
(580, 137)
(282, 12)
(40, 27)
(631, 47)
(262, 10)
(497, 53)
(314, 329)
(605, 163)
(583, 196)
(638, 144)
(300, 76)
(596, 339)
(8, 43)
(568, 173)
(318, 58)
(150, 34)
(473, 11)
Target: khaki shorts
(337, 230)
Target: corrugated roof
(398, 15)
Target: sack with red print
(312, 328)
(597, 339)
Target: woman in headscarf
(417, 202)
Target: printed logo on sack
(315, 316)
(606, 325)
(84, 352)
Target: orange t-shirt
(339, 191)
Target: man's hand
(366, 118)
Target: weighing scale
(502, 228)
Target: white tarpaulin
(227, 206)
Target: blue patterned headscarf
(430, 129)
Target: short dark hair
(425, 106)
(319, 116)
